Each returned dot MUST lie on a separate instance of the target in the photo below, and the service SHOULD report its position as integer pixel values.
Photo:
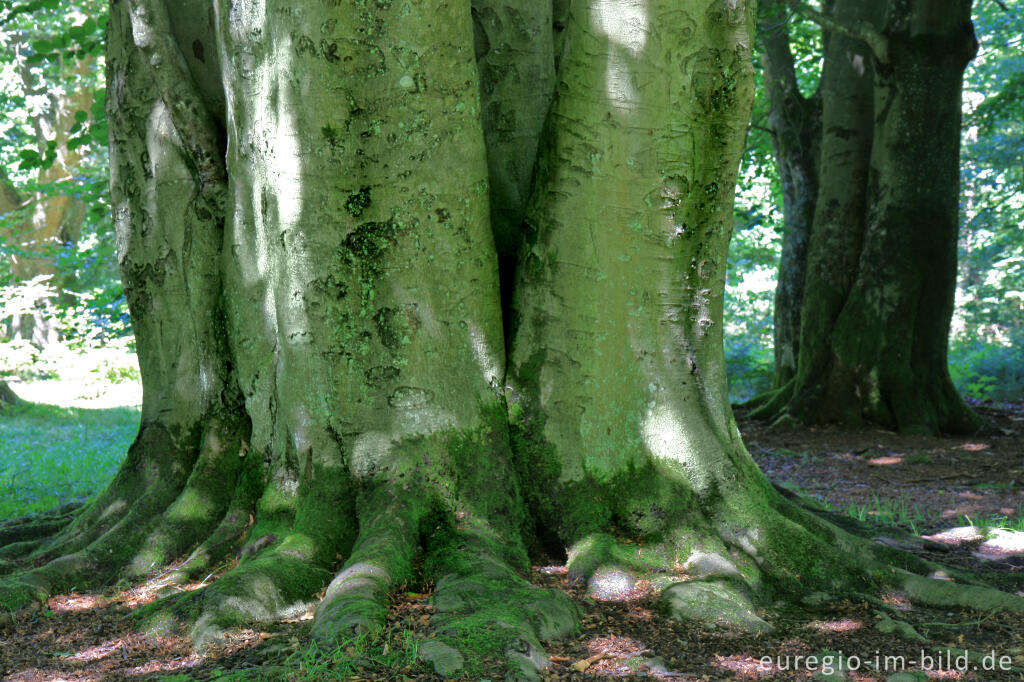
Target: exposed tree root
(924, 410)
(484, 608)
(770, 403)
(356, 599)
(716, 564)
(27, 532)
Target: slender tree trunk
(796, 139)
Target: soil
(926, 485)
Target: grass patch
(1001, 522)
(51, 455)
(358, 655)
(889, 512)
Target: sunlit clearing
(845, 625)
(89, 377)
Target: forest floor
(925, 485)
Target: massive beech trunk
(881, 257)
(303, 206)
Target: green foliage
(753, 255)
(989, 321)
(750, 365)
(988, 371)
(53, 455)
(52, 105)
(750, 288)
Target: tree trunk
(7, 396)
(315, 289)
(881, 258)
(907, 279)
(796, 140)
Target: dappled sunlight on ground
(99, 651)
(924, 484)
(957, 536)
(845, 625)
(897, 600)
(166, 666)
(886, 461)
(75, 602)
(89, 637)
(745, 667)
(624, 632)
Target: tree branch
(151, 30)
(861, 30)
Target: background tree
(795, 123)
(56, 167)
(301, 195)
(881, 258)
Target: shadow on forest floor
(923, 484)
